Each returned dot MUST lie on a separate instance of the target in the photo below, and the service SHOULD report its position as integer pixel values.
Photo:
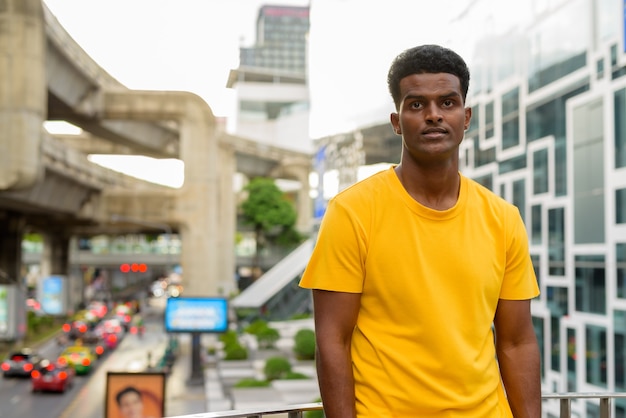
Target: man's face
(131, 405)
(432, 117)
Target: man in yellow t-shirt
(418, 270)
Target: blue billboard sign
(196, 314)
(52, 295)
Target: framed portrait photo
(133, 395)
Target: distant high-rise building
(271, 81)
(281, 38)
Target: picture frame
(126, 391)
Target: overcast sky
(192, 45)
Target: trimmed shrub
(265, 335)
(250, 382)
(256, 326)
(295, 376)
(276, 368)
(229, 338)
(235, 351)
(304, 344)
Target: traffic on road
(66, 376)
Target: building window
(590, 284)
(510, 102)
(481, 156)
(620, 206)
(510, 119)
(536, 263)
(519, 197)
(588, 173)
(510, 133)
(538, 326)
(474, 123)
(595, 349)
(555, 343)
(549, 119)
(489, 118)
(557, 304)
(536, 224)
(512, 164)
(620, 257)
(556, 47)
(619, 327)
(620, 127)
(572, 382)
(486, 180)
(556, 242)
(599, 69)
(540, 171)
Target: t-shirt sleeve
(520, 281)
(338, 258)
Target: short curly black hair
(426, 59)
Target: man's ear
(468, 118)
(395, 123)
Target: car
(98, 346)
(125, 314)
(79, 326)
(55, 377)
(111, 331)
(21, 363)
(97, 308)
(78, 357)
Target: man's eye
(415, 105)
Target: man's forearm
(520, 371)
(336, 383)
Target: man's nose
(433, 113)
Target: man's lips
(434, 133)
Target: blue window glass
(590, 284)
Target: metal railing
(292, 411)
(565, 401)
(298, 410)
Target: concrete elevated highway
(47, 184)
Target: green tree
(270, 213)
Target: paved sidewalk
(182, 398)
(185, 399)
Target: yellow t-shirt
(430, 282)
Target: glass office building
(549, 134)
(281, 40)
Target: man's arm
(335, 318)
(518, 357)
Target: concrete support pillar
(228, 219)
(23, 92)
(55, 259)
(11, 234)
(204, 260)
